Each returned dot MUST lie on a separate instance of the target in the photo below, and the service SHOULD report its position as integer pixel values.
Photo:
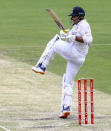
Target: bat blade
(56, 19)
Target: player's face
(75, 19)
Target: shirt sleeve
(86, 33)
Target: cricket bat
(56, 19)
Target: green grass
(25, 28)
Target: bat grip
(64, 31)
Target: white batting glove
(63, 35)
(70, 38)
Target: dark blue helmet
(78, 11)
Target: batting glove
(63, 35)
(70, 38)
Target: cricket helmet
(77, 11)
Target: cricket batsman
(73, 47)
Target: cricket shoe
(65, 112)
(39, 69)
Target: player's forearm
(72, 38)
(79, 39)
(85, 39)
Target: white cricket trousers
(74, 62)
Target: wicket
(85, 100)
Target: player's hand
(63, 35)
(70, 38)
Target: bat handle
(64, 31)
(61, 27)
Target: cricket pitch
(31, 102)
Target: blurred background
(25, 29)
